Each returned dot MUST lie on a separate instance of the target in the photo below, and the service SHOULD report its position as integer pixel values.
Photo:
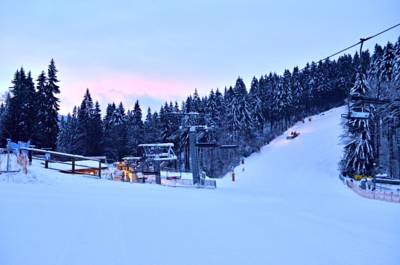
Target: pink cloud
(115, 87)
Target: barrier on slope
(377, 194)
(188, 183)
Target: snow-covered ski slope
(287, 207)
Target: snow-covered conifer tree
(135, 129)
(359, 154)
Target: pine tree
(267, 96)
(256, 103)
(396, 62)
(84, 124)
(196, 105)
(49, 121)
(374, 71)
(211, 110)
(96, 131)
(29, 110)
(120, 130)
(3, 111)
(135, 129)
(170, 122)
(67, 140)
(41, 96)
(345, 76)
(239, 115)
(279, 103)
(286, 99)
(297, 93)
(47, 108)
(115, 125)
(20, 116)
(109, 132)
(359, 153)
(63, 144)
(151, 130)
(386, 66)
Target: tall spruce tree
(67, 140)
(396, 62)
(150, 127)
(29, 114)
(20, 112)
(115, 132)
(96, 131)
(135, 129)
(109, 132)
(48, 107)
(359, 153)
(254, 99)
(386, 66)
(41, 103)
(84, 123)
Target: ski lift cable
(360, 42)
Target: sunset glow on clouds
(127, 88)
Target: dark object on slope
(292, 135)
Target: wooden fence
(73, 159)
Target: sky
(156, 51)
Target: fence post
(99, 168)
(8, 160)
(73, 165)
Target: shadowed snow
(287, 207)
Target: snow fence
(382, 195)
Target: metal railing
(188, 183)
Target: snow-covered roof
(359, 115)
(131, 158)
(157, 145)
(164, 158)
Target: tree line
(247, 117)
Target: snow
(77, 157)
(359, 115)
(181, 175)
(157, 145)
(287, 206)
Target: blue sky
(162, 50)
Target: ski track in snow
(287, 207)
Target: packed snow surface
(286, 207)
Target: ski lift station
(158, 164)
